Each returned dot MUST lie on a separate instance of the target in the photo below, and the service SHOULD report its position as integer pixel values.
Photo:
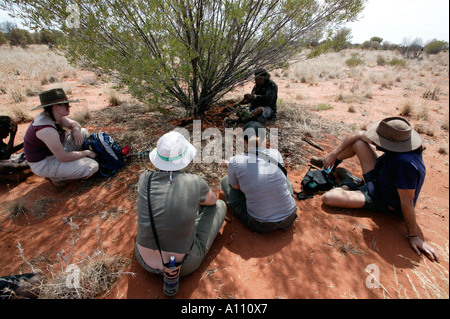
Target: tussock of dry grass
(22, 74)
(91, 277)
(98, 273)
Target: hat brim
(399, 147)
(60, 102)
(173, 165)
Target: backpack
(317, 180)
(109, 154)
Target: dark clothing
(9, 284)
(3, 153)
(35, 149)
(266, 95)
(397, 171)
(370, 202)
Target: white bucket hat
(173, 152)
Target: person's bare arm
(348, 141)
(210, 200)
(75, 127)
(409, 215)
(51, 138)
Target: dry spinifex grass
(91, 277)
(95, 274)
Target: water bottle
(327, 170)
(171, 278)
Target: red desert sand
(328, 253)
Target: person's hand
(418, 245)
(77, 136)
(90, 154)
(249, 97)
(12, 127)
(328, 162)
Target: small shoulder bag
(169, 272)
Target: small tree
(376, 39)
(341, 39)
(370, 45)
(435, 46)
(19, 37)
(2, 38)
(192, 51)
(411, 49)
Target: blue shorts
(370, 202)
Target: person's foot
(317, 161)
(229, 122)
(344, 174)
(261, 119)
(56, 184)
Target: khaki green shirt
(174, 207)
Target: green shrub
(354, 61)
(381, 61)
(19, 37)
(323, 107)
(2, 38)
(435, 46)
(397, 62)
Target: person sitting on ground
(186, 212)
(9, 161)
(392, 181)
(50, 151)
(23, 286)
(262, 100)
(256, 189)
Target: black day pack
(317, 180)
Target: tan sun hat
(394, 134)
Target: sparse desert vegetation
(323, 99)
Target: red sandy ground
(324, 255)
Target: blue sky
(392, 20)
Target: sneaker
(228, 122)
(344, 174)
(317, 161)
(57, 185)
(261, 119)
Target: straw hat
(173, 152)
(394, 134)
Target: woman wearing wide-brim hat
(392, 181)
(50, 151)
